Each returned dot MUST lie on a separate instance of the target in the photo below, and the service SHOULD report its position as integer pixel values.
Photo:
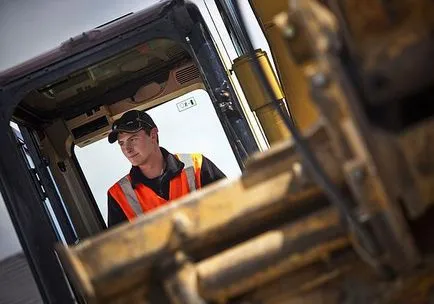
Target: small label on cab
(186, 104)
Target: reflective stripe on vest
(187, 159)
(131, 196)
(142, 199)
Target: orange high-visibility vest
(142, 199)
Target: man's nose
(128, 147)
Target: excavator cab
(61, 103)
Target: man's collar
(173, 168)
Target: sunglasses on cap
(132, 126)
(131, 122)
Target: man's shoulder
(167, 153)
(191, 158)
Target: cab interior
(78, 110)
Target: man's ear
(154, 134)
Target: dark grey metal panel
(17, 285)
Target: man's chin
(132, 162)
(135, 163)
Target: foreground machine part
(197, 232)
(273, 236)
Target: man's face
(138, 146)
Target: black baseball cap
(131, 122)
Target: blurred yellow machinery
(341, 214)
